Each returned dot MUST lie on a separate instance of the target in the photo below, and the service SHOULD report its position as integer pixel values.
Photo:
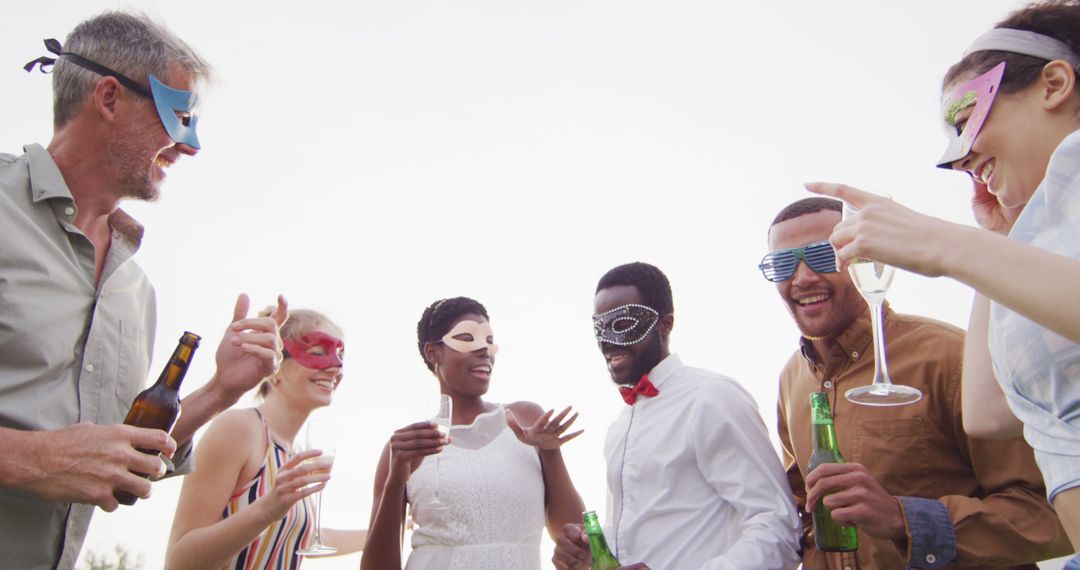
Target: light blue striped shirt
(1038, 369)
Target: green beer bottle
(601, 556)
(829, 535)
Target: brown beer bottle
(158, 406)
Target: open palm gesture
(546, 432)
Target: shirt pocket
(895, 452)
(132, 365)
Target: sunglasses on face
(780, 265)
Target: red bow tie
(644, 388)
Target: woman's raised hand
(989, 213)
(886, 231)
(410, 444)
(546, 432)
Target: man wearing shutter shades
(921, 493)
(694, 480)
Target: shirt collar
(854, 342)
(666, 369)
(47, 182)
(120, 221)
(1063, 159)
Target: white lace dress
(493, 488)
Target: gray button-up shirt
(70, 350)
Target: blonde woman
(244, 506)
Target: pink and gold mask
(977, 95)
(300, 350)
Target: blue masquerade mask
(175, 107)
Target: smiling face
(307, 386)
(1009, 154)
(822, 304)
(466, 356)
(141, 149)
(628, 361)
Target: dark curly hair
(649, 280)
(437, 318)
(1059, 19)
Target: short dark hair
(437, 318)
(1059, 19)
(650, 281)
(806, 206)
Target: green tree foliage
(121, 559)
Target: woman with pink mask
(1011, 107)
(244, 507)
(499, 478)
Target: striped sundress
(276, 547)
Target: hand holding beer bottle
(158, 406)
(602, 557)
(829, 535)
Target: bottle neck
(823, 432)
(177, 367)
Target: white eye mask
(482, 337)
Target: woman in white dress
(501, 477)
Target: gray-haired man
(77, 314)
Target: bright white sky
(366, 158)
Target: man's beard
(647, 359)
(122, 160)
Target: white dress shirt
(694, 481)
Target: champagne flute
(872, 279)
(444, 411)
(321, 433)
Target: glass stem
(436, 478)
(318, 519)
(881, 369)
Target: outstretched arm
(1033, 282)
(345, 541)
(250, 350)
(540, 429)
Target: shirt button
(855, 354)
(69, 211)
(847, 567)
(930, 558)
(828, 384)
(89, 367)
